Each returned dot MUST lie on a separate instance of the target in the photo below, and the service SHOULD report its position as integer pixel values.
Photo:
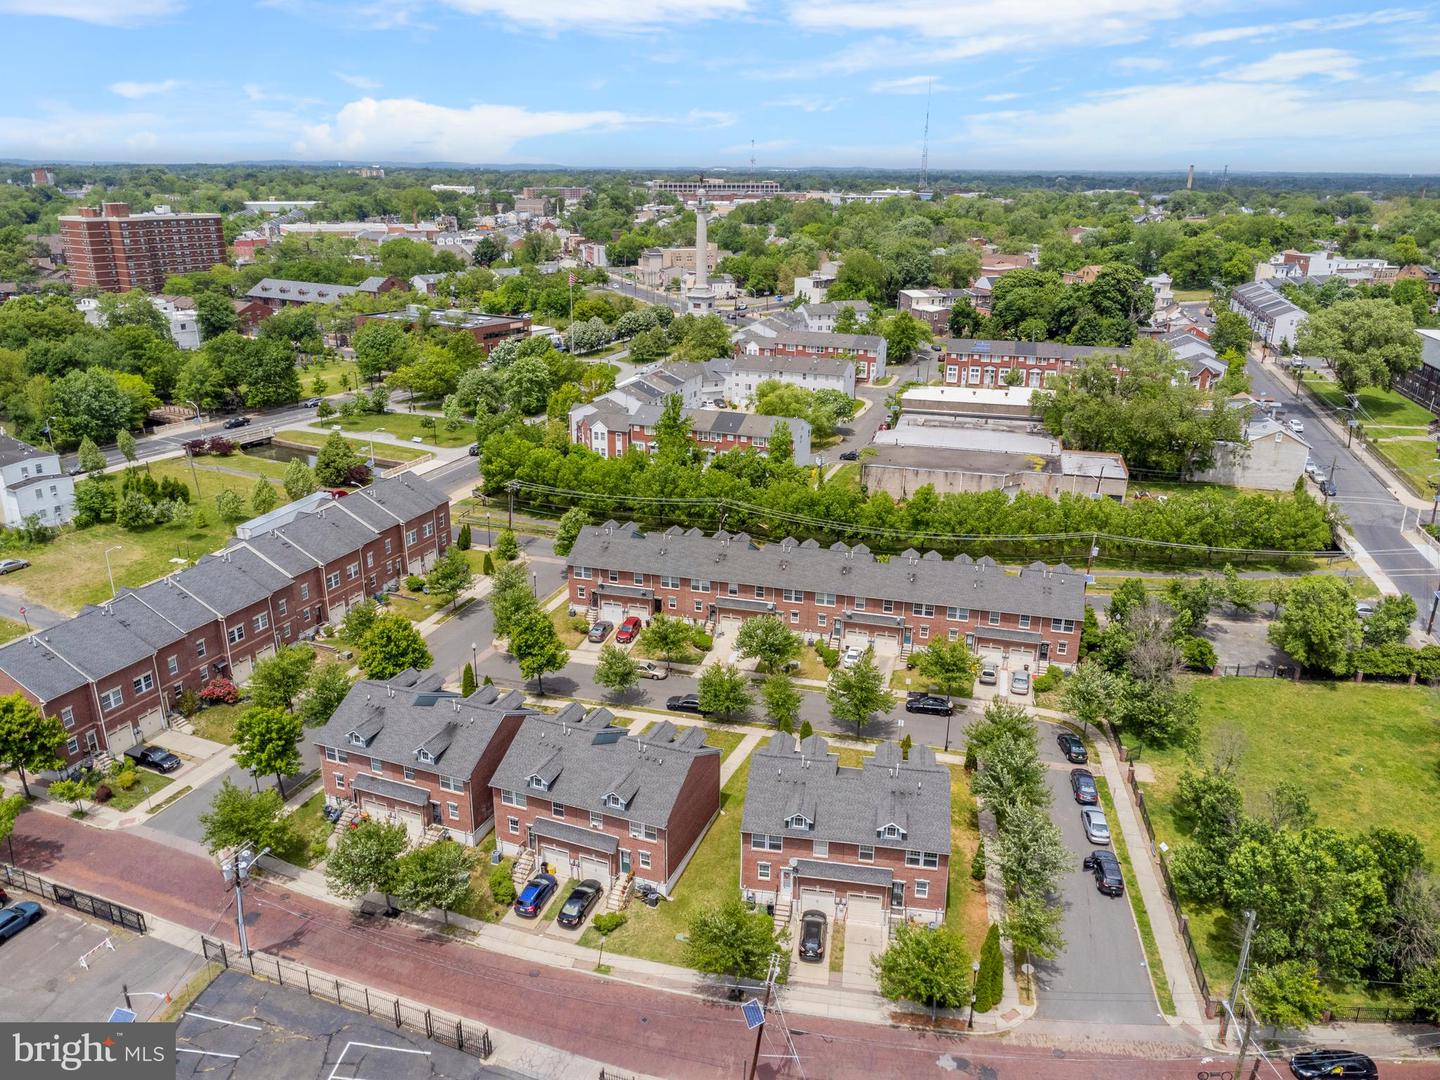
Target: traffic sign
(754, 1014)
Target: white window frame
(453, 809)
(820, 849)
(112, 699)
(339, 781)
(762, 871)
(866, 853)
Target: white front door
(786, 875)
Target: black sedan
(812, 935)
(1343, 1063)
(1073, 749)
(17, 917)
(685, 703)
(1106, 869)
(154, 757)
(236, 422)
(933, 704)
(850, 455)
(1082, 783)
(578, 904)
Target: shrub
(1197, 654)
(463, 540)
(188, 703)
(828, 656)
(502, 889)
(102, 794)
(701, 640)
(609, 922)
(579, 624)
(487, 567)
(219, 691)
(126, 778)
(220, 446)
(414, 583)
(977, 863)
(990, 983)
(1051, 680)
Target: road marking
(207, 1053)
(217, 1020)
(370, 1046)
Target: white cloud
(1426, 84)
(605, 15)
(1000, 97)
(135, 90)
(1299, 64)
(1328, 24)
(360, 82)
(103, 12)
(407, 129)
(810, 103)
(911, 84)
(1142, 63)
(711, 118)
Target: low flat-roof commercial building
(487, 330)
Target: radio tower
(925, 143)
(752, 159)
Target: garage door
(152, 723)
(558, 860)
(120, 739)
(818, 900)
(612, 613)
(858, 638)
(869, 910)
(414, 824)
(598, 869)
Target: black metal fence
(448, 1030)
(1259, 671)
(85, 903)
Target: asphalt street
(182, 817)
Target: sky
(1012, 84)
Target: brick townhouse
(856, 843)
(409, 752)
(590, 801)
(969, 362)
(867, 351)
(114, 672)
(837, 593)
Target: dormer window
(892, 832)
(615, 802)
(799, 821)
(538, 783)
(356, 739)
(424, 755)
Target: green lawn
(847, 476)
(385, 453)
(727, 741)
(1378, 406)
(481, 903)
(1187, 295)
(147, 783)
(569, 628)
(10, 630)
(965, 910)
(712, 877)
(305, 846)
(553, 908)
(1415, 458)
(405, 426)
(338, 374)
(217, 722)
(238, 470)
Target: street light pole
(110, 573)
(474, 652)
(974, 983)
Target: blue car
(17, 917)
(531, 900)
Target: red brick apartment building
(968, 362)
(861, 844)
(866, 350)
(590, 801)
(838, 593)
(111, 249)
(114, 672)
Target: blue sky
(1048, 84)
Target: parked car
(1097, 829)
(1073, 748)
(474, 450)
(933, 704)
(1082, 783)
(154, 757)
(1106, 868)
(1020, 683)
(8, 566)
(578, 904)
(650, 670)
(850, 455)
(852, 656)
(532, 898)
(1295, 425)
(988, 675)
(628, 630)
(236, 422)
(600, 631)
(1343, 1063)
(812, 935)
(1329, 488)
(741, 306)
(1364, 609)
(684, 703)
(17, 917)
(311, 403)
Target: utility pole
(770, 974)
(1244, 1044)
(1239, 976)
(236, 869)
(511, 487)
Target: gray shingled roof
(837, 871)
(391, 789)
(38, 669)
(573, 834)
(281, 552)
(981, 585)
(96, 643)
(821, 339)
(585, 760)
(327, 536)
(144, 622)
(829, 366)
(13, 450)
(730, 422)
(222, 585)
(178, 606)
(410, 711)
(849, 805)
(308, 292)
(1041, 350)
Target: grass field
(384, 452)
(405, 426)
(1387, 415)
(965, 910)
(147, 783)
(338, 375)
(217, 722)
(10, 630)
(309, 830)
(727, 741)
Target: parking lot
(44, 979)
(242, 1028)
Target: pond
(281, 453)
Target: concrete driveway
(863, 940)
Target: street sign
(754, 1014)
(121, 1016)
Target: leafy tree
(1033, 927)
(263, 497)
(1157, 712)
(267, 740)
(1318, 625)
(1288, 994)
(29, 741)
(435, 876)
(724, 691)
(767, 639)
(201, 382)
(390, 646)
(1368, 342)
(1390, 622)
(507, 548)
(648, 346)
(215, 314)
(230, 506)
(239, 817)
(94, 502)
(725, 939)
(299, 479)
(858, 692)
(324, 691)
(1422, 990)
(335, 460)
(568, 528)
(928, 967)
(278, 679)
(903, 334)
(89, 457)
(367, 859)
(536, 646)
(10, 807)
(510, 597)
(616, 670)
(467, 680)
(949, 666)
(380, 346)
(91, 404)
(782, 700)
(72, 791)
(1028, 850)
(125, 443)
(1231, 331)
(462, 538)
(672, 432)
(668, 638)
(990, 983)
(1088, 693)
(358, 620)
(450, 576)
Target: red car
(628, 629)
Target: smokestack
(1190, 179)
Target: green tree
(616, 670)
(949, 666)
(990, 982)
(858, 692)
(380, 346)
(537, 648)
(262, 497)
(239, 817)
(390, 646)
(568, 528)
(928, 967)
(507, 548)
(724, 691)
(1318, 625)
(324, 691)
(1028, 850)
(358, 620)
(462, 539)
(230, 506)
(1032, 927)
(767, 640)
(215, 314)
(1088, 693)
(511, 597)
(1390, 622)
(672, 432)
(450, 576)
(125, 443)
(668, 638)
(1231, 331)
(267, 740)
(89, 456)
(91, 404)
(29, 741)
(72, 791)
(367, 859)
(781, 699)
(335, 460)
(299, 479)
(725, 939)
(903, 334)
(10, 807)
(278, 679)
(1288, 994)
(435, 876)
(1368, 342)
(467, 680)
(201, 383)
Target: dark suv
(1344, 1063)
(1106, 869)
(812, 935)
(1073, 749)
(1082, 783)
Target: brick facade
(110, 249)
